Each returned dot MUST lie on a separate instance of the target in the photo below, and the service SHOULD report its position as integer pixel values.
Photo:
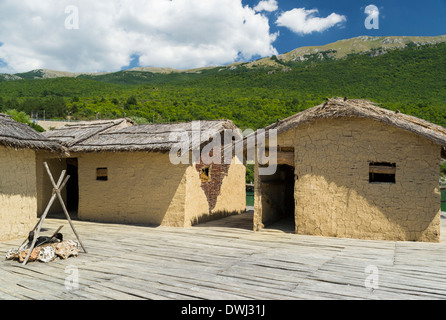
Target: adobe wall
(232, 197)
(44, 185)
(141, 188)
(333, 195)
(223, 194)
(18, 197)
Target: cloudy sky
(111, 35)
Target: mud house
(68, 135)
(123, 173)
(19, 145)
(351, 169)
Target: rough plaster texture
(232, 197)
(332, 193)
(212, 184)
(18, 196)
(141, 188)
(224, 194)
(44, 186)
(146, 188)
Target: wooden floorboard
(225, 260)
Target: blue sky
(397, 18)
(110, 35)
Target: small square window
(102, 174)
(382, 172)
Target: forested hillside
(412, 80)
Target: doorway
(72, 186)
(278, 206)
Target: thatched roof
(21, 136)
(152, 137)
(76, 132)
(338, 108)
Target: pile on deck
(46, 252)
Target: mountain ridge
(411, 80)
(335, 50)
(342, 48)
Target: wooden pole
(42, 218)
(56, 194)
(63, 205)
(50, 203)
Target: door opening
(277, 192)
(72, 186)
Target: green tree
(249, 173)
(132, 100)
(22, 117)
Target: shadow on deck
(245, 221)
(238, 221)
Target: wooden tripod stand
(56, 194)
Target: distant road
(51, 124)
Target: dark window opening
(101, 174)
(382, 172)
(205, 174)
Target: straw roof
(338, 108)
(152, 137)
(76, 132)
(21, 136)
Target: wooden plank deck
(226, 260)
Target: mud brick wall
(213, 183)
(333, 195)
(44, 186)
(18, 195)
(147, 188)
(223, 194)
(141, 188)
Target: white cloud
(178, 34)
(266, 5)
(372, 11)
(304, 21)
